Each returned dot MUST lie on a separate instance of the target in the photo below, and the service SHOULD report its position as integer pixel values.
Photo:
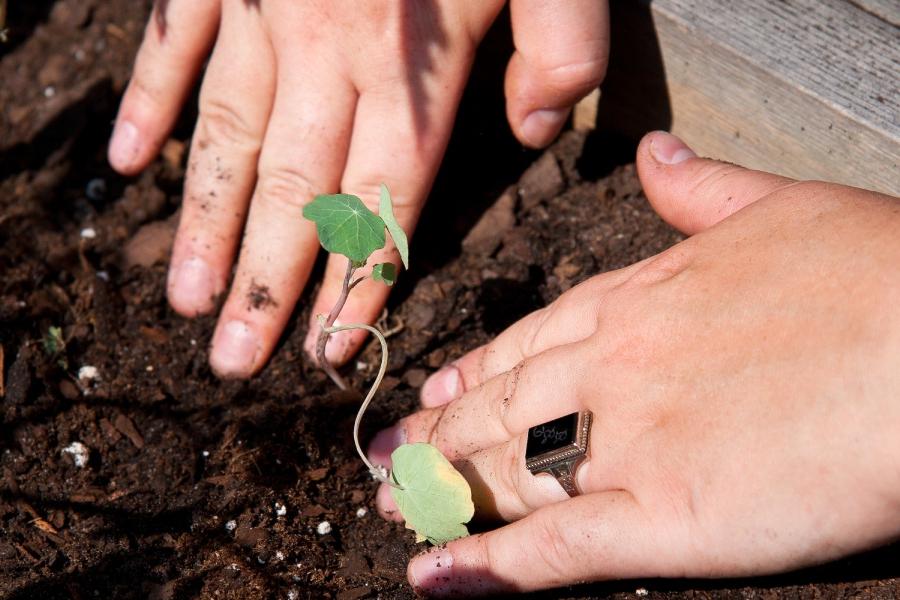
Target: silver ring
(558, 447)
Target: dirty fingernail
(234, 349)
(541, 126)
(192, 287)
(442, 387)
(668, 149)
(387, 508)
(385, 442)
(431, 572)
(124, 145)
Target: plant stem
(376, 473)
(324, 332)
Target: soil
(196, 487)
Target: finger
(691, 193)
(536, 390)
(175, 44)
(572, 317)
(561, 55)
(402, 125)
(235, 102)
(303, 155)
(588, 538)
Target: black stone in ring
(557, 447)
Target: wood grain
(806, 88)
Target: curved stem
(362, 409)
(328, 322)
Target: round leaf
(345, 226)
(435, 500)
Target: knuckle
(553, 549)
(507, 475)
(575, 74)
(663, 267)
(223, 124)
(286, 188)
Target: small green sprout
(433, 497)
(55, 346)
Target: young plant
(432, 496)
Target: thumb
(561, 55)
(691, 193)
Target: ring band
(558, 447)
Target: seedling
(432, 496)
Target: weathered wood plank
(807, 88)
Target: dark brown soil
(186, 475)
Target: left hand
(744, 386)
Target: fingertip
(236, 350)
(192, 287)
(125, 148)
(384, 503)
(666, 149)
(442, 387)
(542, 126)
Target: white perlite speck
(324, 528)
(88, 373)
(641, 592)
(279, 555)
(280, 509)
(80, 453)
(88, 233)
(231, 525)
(361, 512)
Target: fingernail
(385, 442)
(234, 350)
(338, 348)
(124, 145)
(387, 508)
(431, 572)
(668, 149)
(541, 126)
(442, 387)
(192, 286)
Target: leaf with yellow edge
(435, 498)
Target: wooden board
(806, 88)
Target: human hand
(311, 97)
(744, 386)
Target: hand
(309, 97)
(744, 384)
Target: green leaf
(345, 226)
(386, 212)
(386, 273)
(435, 500)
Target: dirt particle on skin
(259, 297)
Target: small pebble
(80, 453)
(88, 233)
(324, 528)
(231, 525)
(361, 512)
